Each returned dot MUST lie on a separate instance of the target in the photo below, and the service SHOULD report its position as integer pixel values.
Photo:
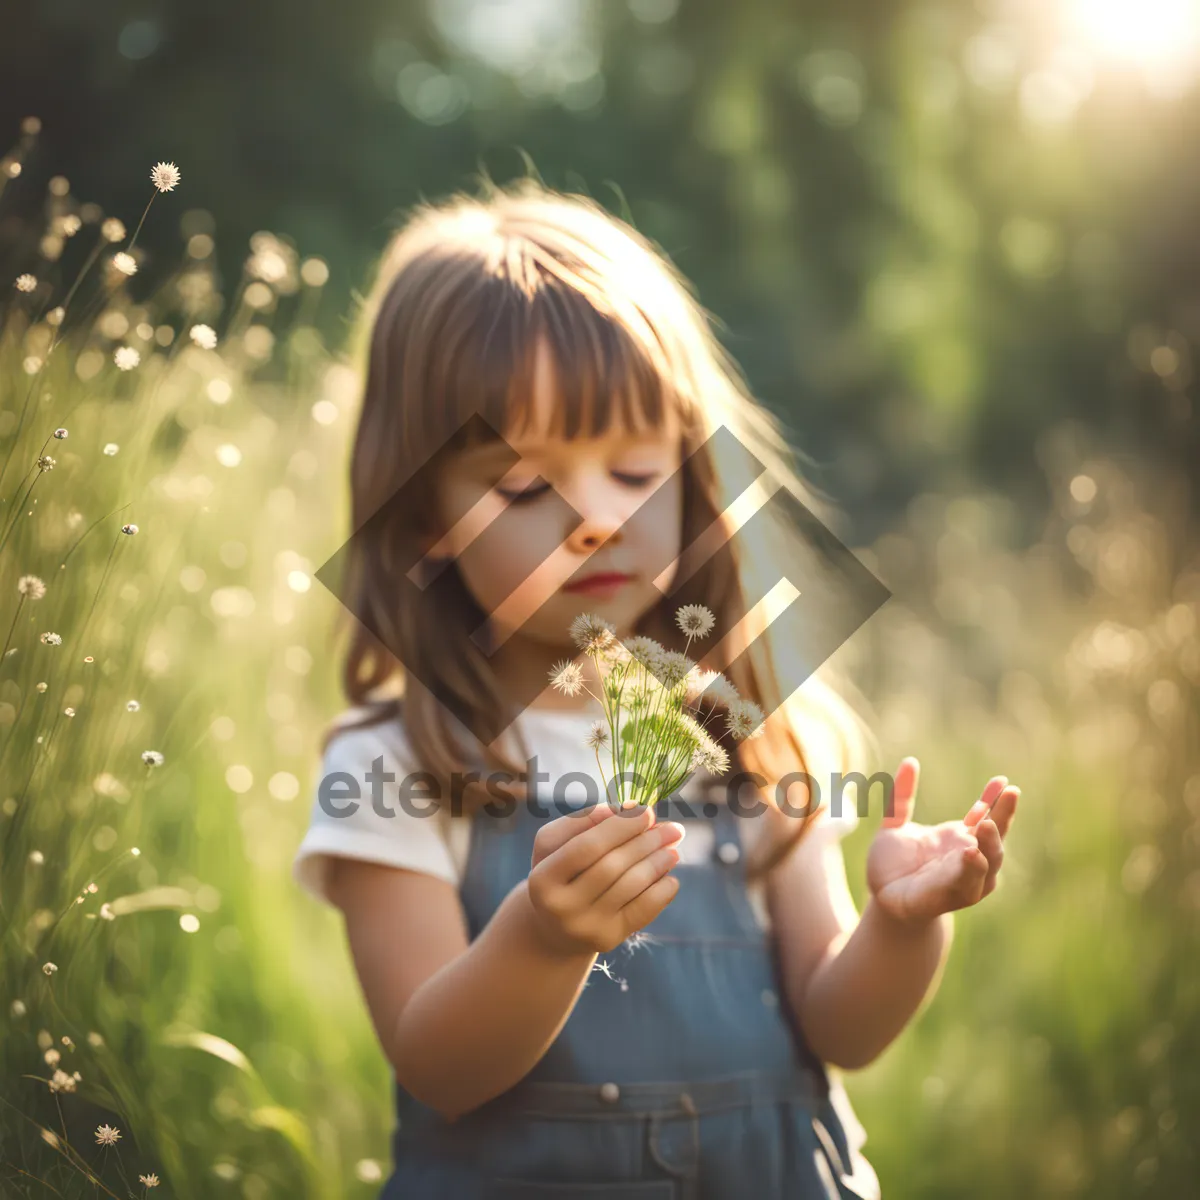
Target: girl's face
(525, 571)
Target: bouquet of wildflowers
(664, 736)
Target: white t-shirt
(438, 845)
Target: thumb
(904, 793)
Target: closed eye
(525, 495)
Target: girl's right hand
(600, 874)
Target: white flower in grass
(695, 620)
(51, 639)
(25, 283)
(113, 229)
(126, 357)
(125, 263)
(148, 1180)
(597, 735)
(152, 758)
(567, 677)
(107, 1135)
(744, 719)
(164, 176)
(31, 587)
(591, 633)
(204, 336)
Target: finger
(594, 885)
(638, 877)
(556, 833)
(903, 793)
(638, 913)
(988, 797)
(580, 852)
(1006, 809)
(991, 845)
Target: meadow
(168, 491)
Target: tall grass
(210, 1010)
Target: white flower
(106, 1135)
(52, 1057)
(591, 633)
(26, 283)
(129, 530)
(695, 620)
(125, 263)
(60, 1081)
(152, 758)
(31, 587)
(126, 357)
(673, 668)
(60, 434)
(567, 677)
(113, 230)
(164, 176)
(744, 719)
(46, 463)
(110, 448)
(49, 968)
(148, 1180)
(598, 735)
(204, 336)
(51, 639)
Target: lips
(601, 581)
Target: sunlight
(1145, 33)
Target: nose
(603, 517)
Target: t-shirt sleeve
(344, 820)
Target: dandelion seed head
(51, 639)
(204, 336)
(129, 530)
(164, 176)
(711, 757)
(107, 1135)
(31, 587)
(744, 719)
(61, 434)
(25, 283)
(567, 677)
(125, 263)
(591, 633)
(126, 357)
(113, 229)
(598, 735)
(46, 463)
(673, 668)
(695, 620)
(645, 651)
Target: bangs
(598, 374)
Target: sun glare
(1145, 33)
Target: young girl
(579, 1000)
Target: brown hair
(463, 293)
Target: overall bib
(677, 1076)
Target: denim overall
(677, 1076)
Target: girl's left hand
(917, 872)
